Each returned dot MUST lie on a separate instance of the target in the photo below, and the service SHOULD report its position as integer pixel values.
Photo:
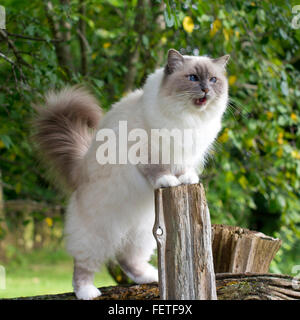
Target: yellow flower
(215, 27)
(106, 45)
(296, 154)
(294, 116)
(188, 24)
(163, 40)
(243, 182)
(229, 176)
(269, 115)
(249, 142)
(232, 80)
(271, 71)
(94, 55)
(226, 35)
(279, 153)
(18, 187)
(2, 145)
(224, 136)
(280, 138)
(49, 222)
(237, 34)
(118, 277)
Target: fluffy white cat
(111, 208)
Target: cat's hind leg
(83, 282)
(134, 257)
(86, 247)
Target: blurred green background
(252, 179)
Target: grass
(45, 271)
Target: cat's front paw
(190, 177)
(166, 180)
(87, 292)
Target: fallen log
(230, 286)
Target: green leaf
(169, 19)
(145, 41)
(284, 88)
(6, 141)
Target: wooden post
(183, 233)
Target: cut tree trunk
(230, 286)
(238, 250)
(183, 233)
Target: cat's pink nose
(204, 90)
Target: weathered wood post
(239, 250)
(183, 233)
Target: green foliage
(253, 177)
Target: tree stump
(237, 250)
(188, 258)
(183, 233)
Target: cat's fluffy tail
(63, 131)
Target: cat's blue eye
(193, 77)
(213, 79)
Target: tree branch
(49, 209)
(140, 25)
(81, 31)
(14, 49)
(21, 36)
(62, 49)
(6, 58)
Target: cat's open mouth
(200, 101)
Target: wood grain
(183, 233)
(238, 250)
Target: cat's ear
(222, 61)
(175, 61)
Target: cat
(111, 207)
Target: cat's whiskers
(236, 106)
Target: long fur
(111, 210)
(64, 128)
